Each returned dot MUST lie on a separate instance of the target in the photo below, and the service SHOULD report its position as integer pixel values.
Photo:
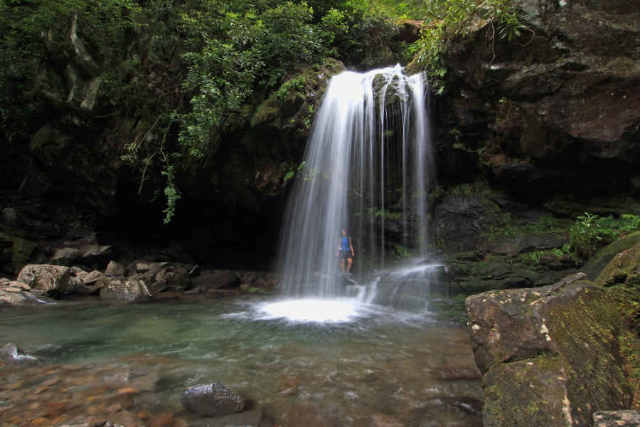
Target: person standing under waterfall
(346, 252)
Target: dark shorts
(345, 255)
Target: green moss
(585, 333)
(524, 393)
(599, 261)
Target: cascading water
(368, 160)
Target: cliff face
(555, 111)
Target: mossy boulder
(599, 261)
(624, 268)
(550, 354)
(527, 392)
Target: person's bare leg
(349, 262)
(342, 265)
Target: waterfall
(367, 165)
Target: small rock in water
(212, 400)
(11, 353)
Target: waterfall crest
(368, 161)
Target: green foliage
(590, 232)
(33, 32)
(292, 86)
(536, 257)
(171, 193)
(448, 19)
(185, 74)
(292, 172)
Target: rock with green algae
(549, 354)
(624, 268)
(599, 261)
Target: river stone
(626, 418)
(87, 283)
(251, 418)
(211, 400)
(12, 298)
(548, 354)
(127, 291)
(114, 269)
(11, 353)
(46, 277)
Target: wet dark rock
(228, 279)
(461, 220)
(554, 111)
(549, 355)
(15, 252)
(626, 418)
(212, 400)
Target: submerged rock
(550, 355)
(212, 400)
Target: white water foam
(313, 310)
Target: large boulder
(59, 280)
(45, 277)
(212, 400)
(548, 354)
(87, 283)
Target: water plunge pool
(339, 363)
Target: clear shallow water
(368, 366)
